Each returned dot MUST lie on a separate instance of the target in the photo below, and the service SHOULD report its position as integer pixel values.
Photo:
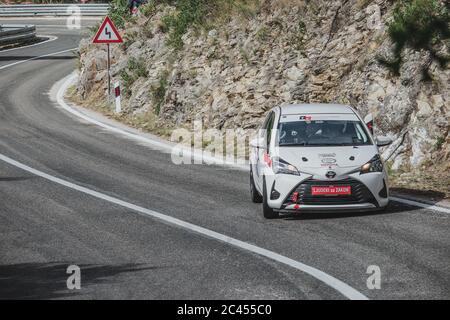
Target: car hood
(327, 158)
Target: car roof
(315, 108)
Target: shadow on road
(393, 207)
(10, 179)
(428, 195)
(48, 280)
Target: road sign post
(107, 34)
(109, 73)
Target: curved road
(44, 227)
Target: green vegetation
(298, 37)
(159, 92)
(439, 143)
(119, 13)
(38, 1)
(245, 55)
(263, 34)
(420, 25)
(190, 12)
(128, 39)
(148, 9)
(136, 69)
(201, 14)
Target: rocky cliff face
(285, 52)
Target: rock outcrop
(287, 52)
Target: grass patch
(263, 34)
(119, 13)
(147, 121)
(135, 69)
(159, 92)
(202, 14)
(298, 37)
(439, 143)
(148, 9)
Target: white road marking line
(166, 146)
(37, 18)
(59, 26)
(420, 204)
(196, 154)
(329, 280)
(51, 38)
(34, 58)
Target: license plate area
(331, 190)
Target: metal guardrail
(32, 10)
(16, 34)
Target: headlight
(374, 165)
(281, 166)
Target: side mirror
(368, 120)
(383, 141)
(258, 143)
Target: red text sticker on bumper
(330, 190)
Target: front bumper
(369, 192)
(326, 208)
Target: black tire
(268, 212)
(254, 193)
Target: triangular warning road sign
(107, 33)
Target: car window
(322, 133)
(262, 130)
(269, 128)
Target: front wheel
(254, 193)
(268, 212)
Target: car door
(265, 136)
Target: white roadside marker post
(117, 95)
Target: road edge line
(195, 154)
(50, 39)
(340, 286)
(420, 204)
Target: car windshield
(322, 133)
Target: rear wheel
(254, 193)
(268, 212)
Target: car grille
(360, 193)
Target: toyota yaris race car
(319, 157)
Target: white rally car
(317, 157)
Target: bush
(136, 69)
(159, 92)
(421, 25)
(119, 12)
(200, 14)
(439, 143)
(189, 12)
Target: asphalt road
(44, 227)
